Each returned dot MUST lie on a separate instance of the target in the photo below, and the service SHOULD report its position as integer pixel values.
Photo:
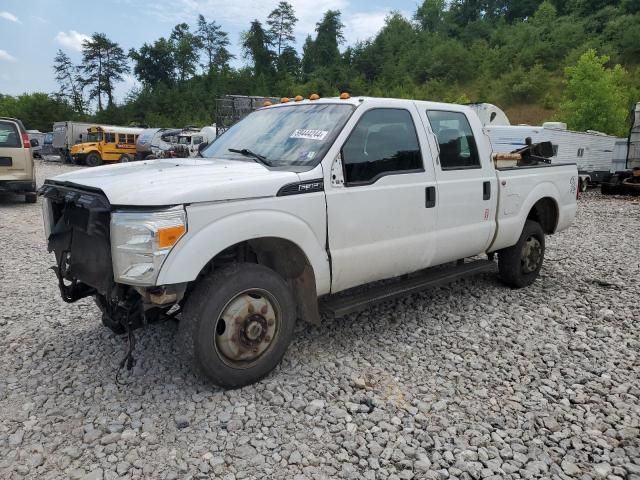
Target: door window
(458, 149)
(9, 137)
(384, 142)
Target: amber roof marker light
(314, 96)
(267, 103)
(345, 96)
(299, 98)
(284, 100)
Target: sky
(31, 31)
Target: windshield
(296, 135)
(94, 137)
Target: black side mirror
(34, 142)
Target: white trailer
(66, 135)
(592, 151)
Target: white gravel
(468, 381)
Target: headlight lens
(140, 241)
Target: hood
(180, 180)
(79, 147)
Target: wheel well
(545, 212)
(282, 256)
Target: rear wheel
(93, 160)
(520, 265)
(125, 158)
(238, 323)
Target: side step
(339, 306)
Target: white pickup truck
(295, 203)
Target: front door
(380, 215)
(467, 187)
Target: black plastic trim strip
(298, 188)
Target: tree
(185, 50)
(595, 98)
(308, 55)
(255, 44)
(430, 14)
(37, 111)
(330, 35)
(103, 64)
(214, 42)
(281, 21)
(155, 63)
(66, 74)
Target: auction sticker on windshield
(309, 134)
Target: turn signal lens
(168, 237)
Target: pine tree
(103, 63)
(255, 44)
(330, 35)
(281, 21)
(214, 42)
(66, 74)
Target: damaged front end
(77, 229)
(89, 239)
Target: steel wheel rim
(531, 257)
(247, 328)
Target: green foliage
(103, 63)
(595, 97)
(37, 111)
(511, 52)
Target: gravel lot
(468, 381)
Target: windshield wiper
(248, 153)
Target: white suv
(17, 173)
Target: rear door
(380, 219)
(15, 159)
(466, 186)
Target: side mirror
(34, 142)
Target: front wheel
(519, 266)
(238, 323)
(93, 160)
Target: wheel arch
(545, 211)
(287, 245)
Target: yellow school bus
(106, 144)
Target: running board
(343, 305)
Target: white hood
(180, 180)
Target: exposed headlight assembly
(140, 242)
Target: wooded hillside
(576, 61)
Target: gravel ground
(468, 381)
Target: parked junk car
(17, 172)
(66, 135)
(153, 141)
(292, 205)
(47, 145)
(106, 144)
(39, 137)
(173, 143)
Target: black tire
(204, 335)
(30, 197)
(125, 158)
(93, 160)
(519, 266)
(151, 156)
